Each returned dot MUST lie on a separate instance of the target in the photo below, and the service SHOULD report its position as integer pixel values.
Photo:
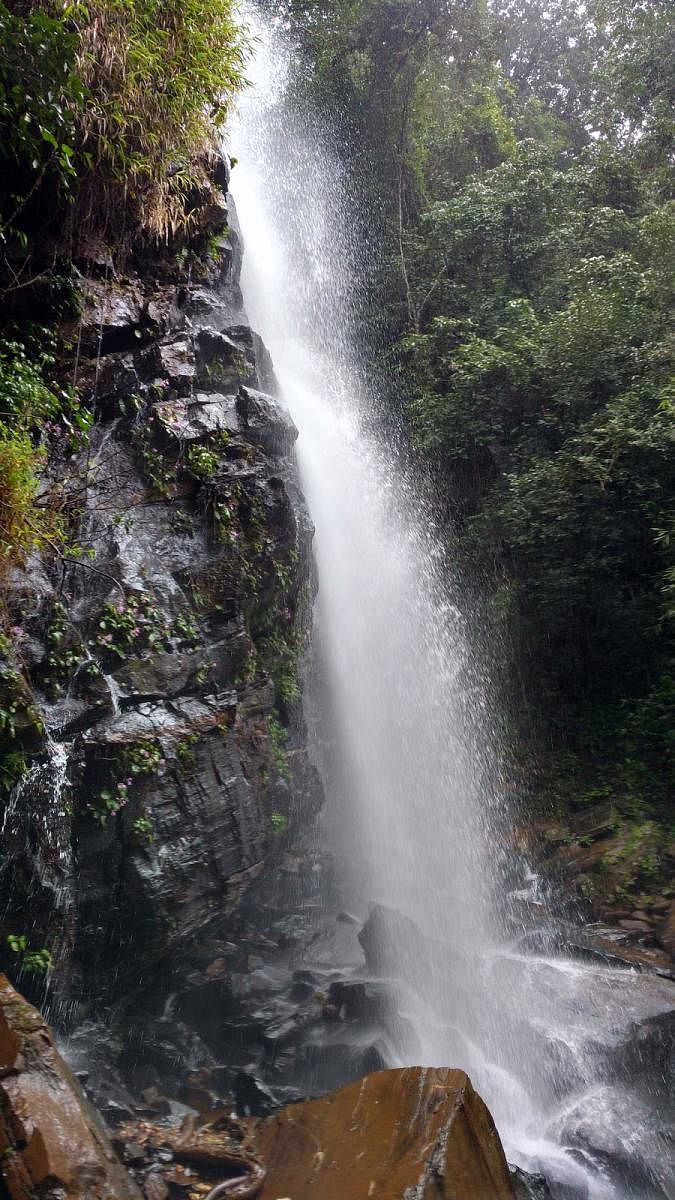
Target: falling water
(36, 830)
(412, 775)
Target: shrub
(116, 101)
(25, 524)
(201, 462)
(160, 75)
(40, 93)
(24, 395)
(26, 403)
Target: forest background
(516, 159)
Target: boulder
(387, 936)
(112, 316)
(222, 362)
(413, 1132)
(529, 1187)
(175, 363)
(617, 1133)
(594, 821)
(266, 422)
(52, 1143)
(198, 418)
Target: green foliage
(158, 468)
(33, 416)
(279, 653)
(201, 462)
(184, 750)
(109, 801)
(17, 711)
(25, 398)
(27, 522)
(540, 380)
(131, 625)
(13, 764)
(142, 757)
(160, 77)
(649, 744)
(278, 737)
(114, 106)
(144, 828)
(21, 727)
(135, 760)
(520, 155)
(40, 95)
(66, 654)
(35, 962)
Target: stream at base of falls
(569, 1056)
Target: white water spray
(412, 776)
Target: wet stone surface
(159, 668)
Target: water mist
(412, 779)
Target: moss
(278, 737)
(21, 728)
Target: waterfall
(408, 749)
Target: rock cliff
(151, 676)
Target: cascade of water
(114, 693)
(412, 777)
(36, 804)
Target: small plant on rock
(279, 822)
(201, 462)
(133, 624)
(185, 750)
(144, 827)
(278, 737)
(36, 962)
(143, 757)
(110, 801)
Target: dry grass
(160, 75)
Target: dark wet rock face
(593, 858)
(155, 676)
(527, 1186)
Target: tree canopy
(521, 154)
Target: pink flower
(17, 632)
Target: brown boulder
(52, 1143)
(415, 1131)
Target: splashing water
(408, 751)
(36, 831)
